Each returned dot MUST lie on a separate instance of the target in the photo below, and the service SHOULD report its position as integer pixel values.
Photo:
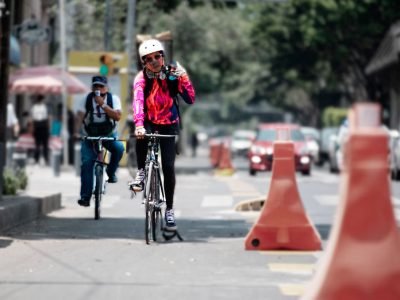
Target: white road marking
(327, 200)
(297, 269)
(109, 201)
(217, 201)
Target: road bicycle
(99, 182)
(153, 192)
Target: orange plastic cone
(283, 223)
(363, 253)
(215, 152)
(225, 163)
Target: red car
(261, 152)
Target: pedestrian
(194, 142)
(12, 123)
(41, 128)
(97, 115)
(155, 109)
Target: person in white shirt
(12, 123)
(41, 128)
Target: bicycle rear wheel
(98, 191)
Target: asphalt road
(68, 255)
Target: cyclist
(99, 113)
(155, 109)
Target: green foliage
(300, 55)
(14, 181)
(22, 178)
(309, 42)
(333, 116)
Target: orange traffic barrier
(362, 259)
(225, 166)
(283, 223)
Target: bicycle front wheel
(148, 203)
(98, 191)
(156, 211)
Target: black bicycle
(99, 186)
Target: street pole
(63, 92)
(130, 34)
(5, 14)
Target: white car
(312, 136)
(241, 141)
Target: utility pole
(63, 91)
(130, 34)
(5, 15)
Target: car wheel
(306, 172)
(252, 172)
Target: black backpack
(92, 128)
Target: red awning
(44, 80)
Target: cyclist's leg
(88, 156)
(168, 153)
(116, 148)
(137, 184)
(141, 152)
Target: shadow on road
(191, 230)
(5, 243)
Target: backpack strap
(89, 106)
(110, 104)
(173, 92)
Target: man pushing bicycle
(155, 109)
(99, 114)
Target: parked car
(261, 152)
(313, 140)
(241, 141)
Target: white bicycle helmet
(150, 46)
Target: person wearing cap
(155, 109)
(99, 114)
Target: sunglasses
(98, 86)
(149, 59)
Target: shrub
(13, 181)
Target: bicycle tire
(98, 191)
(148, 206)
(155, 198)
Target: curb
(17, 210)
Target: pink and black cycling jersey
(160, 107)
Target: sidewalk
(45, 191)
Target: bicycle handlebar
(156, 135)
(100, 138)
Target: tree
(320, 46)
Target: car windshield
(269, 135)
